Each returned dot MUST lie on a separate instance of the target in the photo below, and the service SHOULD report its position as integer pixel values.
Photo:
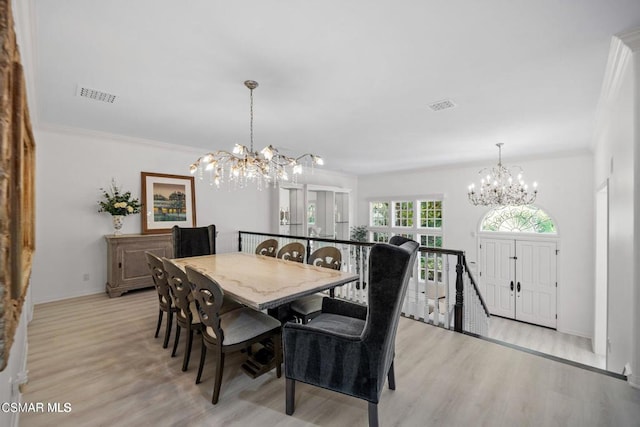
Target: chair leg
(160, 313)
(187, 350)
(219, 370)
(175, 341)
(373, 414)
(392, 378)
(290, 402)
(203, 355)
(167, 332)
(277, 350)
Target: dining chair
(268, 247)
(293, 251)
(193, 241)
(165, 299)
(357, 343)
(229, 331)
(308, 307)
(187, 315)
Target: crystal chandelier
(498, 188)
(244, 165)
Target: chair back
(159, 279)
(181, 290)
(328, 257)
(268, 247)
(292, 252)
(390, 267)
(208, 296)
(193, 241)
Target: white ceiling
(348, 80)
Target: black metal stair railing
(438, 294)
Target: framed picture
(167, 200)
(17, 186)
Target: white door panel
(497, 274)
(536, 275)
(531, 267)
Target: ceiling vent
(96, 95)
(442, 105)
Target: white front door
(536, 282)
(497, 276)
(518, 279)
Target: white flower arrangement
(117, 202)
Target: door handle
(512, 286)
(518, 286)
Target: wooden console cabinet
(126, 264)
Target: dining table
(263, 282)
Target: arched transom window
(518, 219)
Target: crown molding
(623, 47)
(90, 133)
(482, 163)
(197, 151)
(631, 39)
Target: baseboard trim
(551, 357)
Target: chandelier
(244, 165)
(499, 188)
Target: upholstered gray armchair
(193, 241)
(349, 348)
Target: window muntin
(431, 240)
(430, 264)
(403, 214)
(518, 219)
(379, 214)
(379, 237)
(420, 219)
(431, 214)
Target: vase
(118, 220)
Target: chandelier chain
(251, 119)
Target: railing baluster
(446, 292)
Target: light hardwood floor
(544, 340)
(99, 355)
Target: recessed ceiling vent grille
(96, 95)
(442, 105)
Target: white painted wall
(615, 151)
(564, 184)
(72, 166)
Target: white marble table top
(263, 282)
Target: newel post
(239, 241)
(458, 310)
